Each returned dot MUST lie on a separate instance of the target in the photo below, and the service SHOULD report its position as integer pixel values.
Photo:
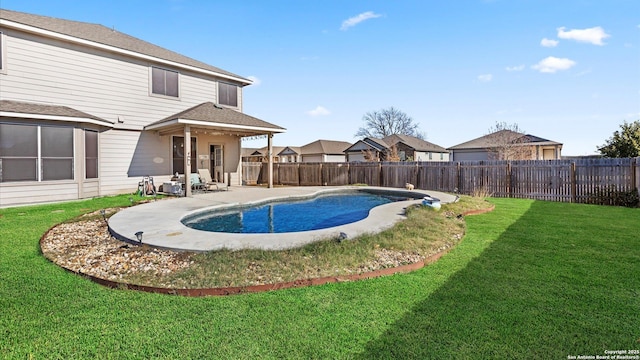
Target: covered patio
(212, 120)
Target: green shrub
(610, 195)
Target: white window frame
(237, 105)
(164, 96)
(84, 134)
(40, 158)
(3, 53)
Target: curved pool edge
(159, 221)
(416, 195)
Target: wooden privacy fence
(600, 181)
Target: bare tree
(508, 142)
(370, 155)
(390, 121)
(393, 154)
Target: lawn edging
(235, 290)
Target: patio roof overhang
(210, 118)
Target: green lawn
(529, 280)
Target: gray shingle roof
(21, 107)
(413, 142)
(106, 36)
(325, 147)
(490, 140)
(211, 113)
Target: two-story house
(88, 111)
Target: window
(164, 82)
(18, 153)
(227, 94)
(178, 155)
(35, 153)
(57, 153)
(430, 156)
(2, 55)
(91, 154)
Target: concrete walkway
(160, 220)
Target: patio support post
(187, 161)
(270, 159)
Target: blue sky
(565, 70)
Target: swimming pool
(321, 212)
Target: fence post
(508, 179)
(380, 173)
(635, 173)
(459, 179)
(574, 186)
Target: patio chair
(196, 183)
(209, 183)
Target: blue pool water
(302, 215)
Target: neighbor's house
(290, 154)
(324, 151)
(408, 148)
(261, 154)
(316, 151)
(87, 111)
(506, 145)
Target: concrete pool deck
(160, 220)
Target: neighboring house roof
(95, 34)
(212, 116)
(489, 141)
(387, 142)
(329, 147)
(290, 150)
(249, 152)
(29, 110)
(368, 143)
(413, 142)
(263, 151)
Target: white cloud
(485, 77)
(255, 80)
(515, 68)
(355, 20)
(549, 42)
(593, 35)
(553, 64)
(319, 111)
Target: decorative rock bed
(85, 247)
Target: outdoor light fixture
(104, 215)
(139, 236)
(131, 200)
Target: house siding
(113, 87)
